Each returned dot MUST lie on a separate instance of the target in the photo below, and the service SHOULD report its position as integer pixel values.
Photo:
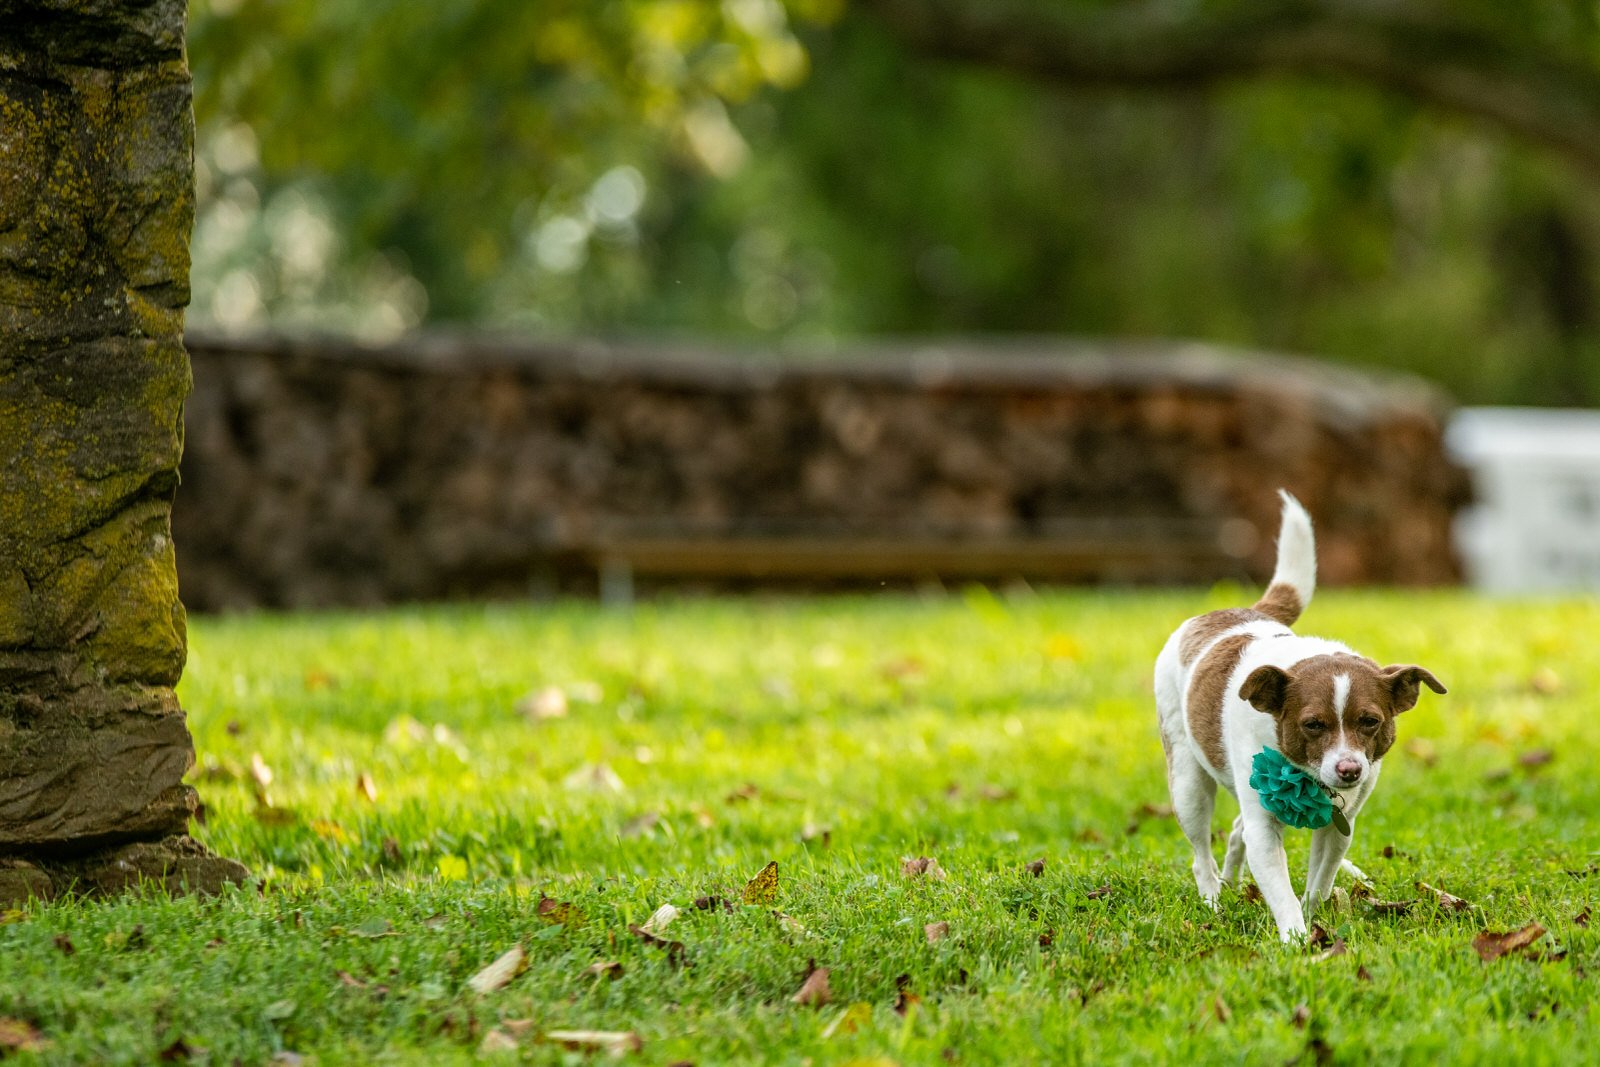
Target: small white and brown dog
(1231, 683)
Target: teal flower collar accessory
(1294, 797)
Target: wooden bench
(1132, 554)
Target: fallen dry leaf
(763, 888)
(542, 704)
(1537, 758)
(1035, 867)
(615, 1042)
(500, 972)
(1252, 893)
(330, 831)
(641, 824)
(1362, 974)
(996, 792)
(1090, 836)
(180, 1051)
(260, 772)
(497, 1040)
(317, 678)
(1389, 907)
(849, 1021)
(1580, 919)
(18, 1035)
(904, 999)
(366, 788)
(814, 832)
(1338, 948)
(1545, 682)
(611, 969)
(556, 911)
(661, 919)
(814, 991)
(268, 815)
(213, 769)
(1098, 892)
(1491, 946)
(1301, 1016)
(904, 669)
(1148, 811)
(594, 778)
(936, 931)
(1318, 937)
(64, 943)
(789, 923)
(1220, 1009)
(1423, 751)
(674, 949)
(922, 867)
(712, 904)
(1445, 900)
(748, 791)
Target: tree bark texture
(96, 205)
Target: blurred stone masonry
(321, 472)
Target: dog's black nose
(1348, 770)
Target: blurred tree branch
(1427, 52)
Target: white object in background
(1535, 525)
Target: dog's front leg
(1328, 847)
(1269, 865)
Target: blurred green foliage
(789, 171)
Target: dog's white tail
(1295, 577)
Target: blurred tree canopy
(1410, 185)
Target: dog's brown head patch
(1334, 703)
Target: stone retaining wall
(328, 473)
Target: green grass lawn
(836, 737)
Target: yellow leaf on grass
(19, 1035)
(502, 970)
(849, 1021)
(559, 912)
(452, 868)
(332, 831)
(615, 1042)
(763, 888)
(1063, 646)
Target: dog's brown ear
(1266, 689)
(1405, 682)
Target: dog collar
(1294, 797)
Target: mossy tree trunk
(96, 204)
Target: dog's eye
(1370, 722)
(1315, 726)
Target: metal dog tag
(1340, 823)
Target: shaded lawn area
(704, 739)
